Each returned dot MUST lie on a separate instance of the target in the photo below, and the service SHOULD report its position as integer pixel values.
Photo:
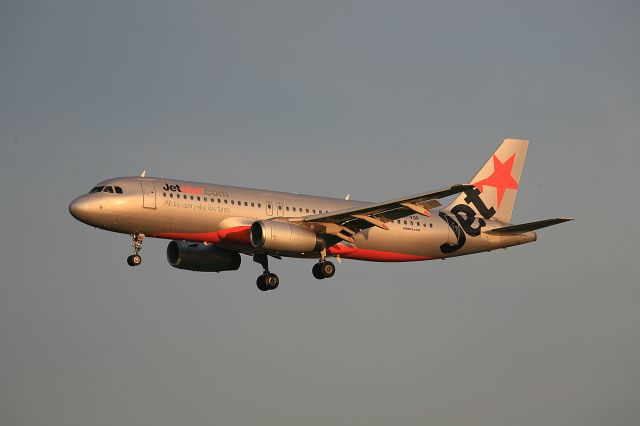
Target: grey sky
(377, 99)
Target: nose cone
(80, 208)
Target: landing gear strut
(268, 280)
(135, 259)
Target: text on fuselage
(187, 189)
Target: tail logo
(500, 179)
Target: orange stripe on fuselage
(373, 255)
(235, 235)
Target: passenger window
(314, 211)
(268, 206)
(108, 189)
(198, 198)
(252, 205)
(118, 189)
(411, 223)
(405, 222)
(219, 201)
(225, 201)
(164, 194)
(307, 210)
(96, 189)
(259, 205)
(233, 202)
(294, 209)
(287, 208)
(239, 203)
(245, 203)
(205, 198)
(191, 197)
(171, 195)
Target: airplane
(211, 225)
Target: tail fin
(498, 180)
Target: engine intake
(198, 257)
(284, 237)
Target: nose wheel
(136, 243)
(268, 280)
(323, 269)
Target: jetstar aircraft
(212, 225)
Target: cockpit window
(108, 189)
(118, 189)
(96, 189)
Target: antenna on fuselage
(143, 174)
(347, 197)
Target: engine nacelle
(198, 257)
(284, 237)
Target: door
(280, 210)
(269, 208)
(148, 194)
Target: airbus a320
(210, 226)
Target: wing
(345, 223)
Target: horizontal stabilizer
(527, 227)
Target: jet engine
(284, 237)
(198, 257)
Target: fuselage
(222, 215)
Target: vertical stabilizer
(498, 180)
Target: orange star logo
(501, 178)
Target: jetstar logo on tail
(500, 179)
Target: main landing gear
(323, 269)
(135, 259)
(268, 280)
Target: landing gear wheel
(268, 281)
(272, 281)
(323, 269)
(316, 271)
(327, 269)
(262, 285)
(134, 260)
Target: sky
(373, 98)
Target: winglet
(143, 174)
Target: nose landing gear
(135, 259)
